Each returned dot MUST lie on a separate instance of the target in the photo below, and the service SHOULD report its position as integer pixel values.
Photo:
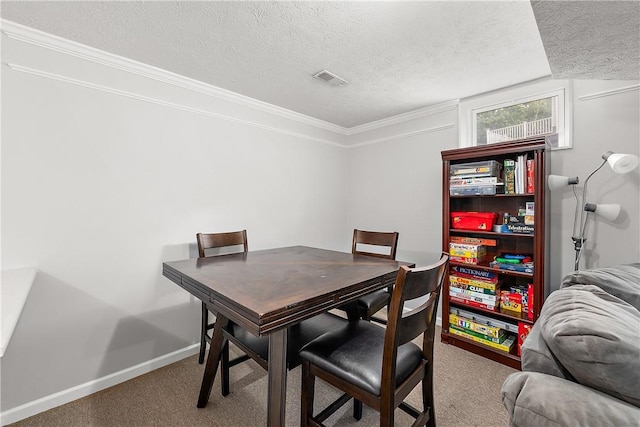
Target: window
(511, 114)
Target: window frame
(471, 107)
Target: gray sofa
(581, 360)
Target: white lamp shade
(557, 182)
(608, 211)
(622, 163)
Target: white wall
(395, 184)
(107, 172)
(105, 175)
(606, 116)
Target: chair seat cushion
(297, 336)
(354, 354)
(377, 299)
(238, 334)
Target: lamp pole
(579, 239)
(621, 164)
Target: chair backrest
(375, 238)
(402, 327)
(221, 240)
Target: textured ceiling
(397, 56)
(591, 40)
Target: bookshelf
(499, 307)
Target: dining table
(267, 291)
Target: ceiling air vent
(330, 78)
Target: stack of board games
(494, 333)
(474, 287)
(513, 262)
(467, 253)
(520, 224)
(476, 240)
(518, 298)
(523, 221)
(477, 178)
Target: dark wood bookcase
(534, 244)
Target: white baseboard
(65, 396)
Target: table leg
(213, 360)
(277, 394)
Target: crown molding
(82, 83)
(404, 135)
(404, 117)
(49, 41)
(39, 38)
(609, 92)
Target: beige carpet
(467, 393)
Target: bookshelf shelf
(494, 195)
(501, 313)
(485, 266)
(479, 301)
(490, 233)
(508, 359)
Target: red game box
(473, 220)
(523, 331)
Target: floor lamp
(619, 163)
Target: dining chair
(254, 347)
(257, 348)
(380, 366)
(224, 243)
(381, 245)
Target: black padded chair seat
(354, 353)
(378, 298)
(297, 336)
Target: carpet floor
(467, 394)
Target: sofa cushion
(535, 399)
(622, 281)
(537, 357)
(596, 337)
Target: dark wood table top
(271, 289)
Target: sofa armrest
(533, 399)
(621, 281)
(537, 357)
(595, 336)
